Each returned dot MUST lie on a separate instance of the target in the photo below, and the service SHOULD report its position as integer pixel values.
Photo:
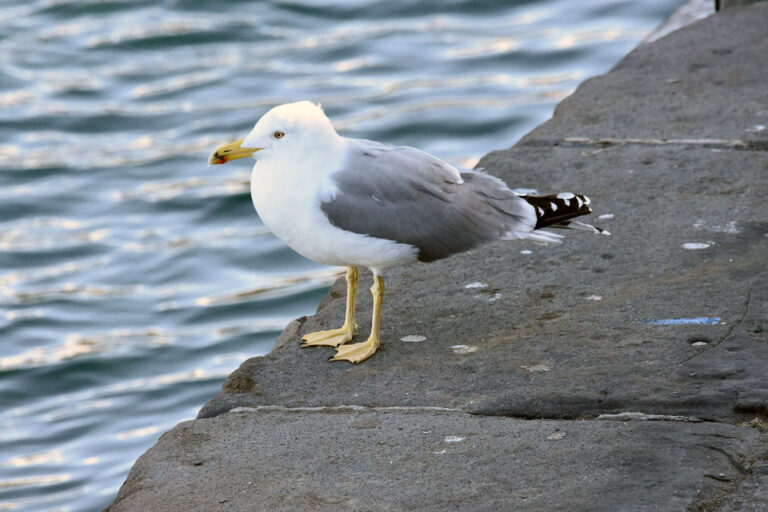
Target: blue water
(134, 278)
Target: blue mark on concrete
(702, 320)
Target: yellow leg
(357, 352)
(336, 337)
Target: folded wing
(408, 196)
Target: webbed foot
(356, 352)
(332, 338)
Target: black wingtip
(558, 208)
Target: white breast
(288, 202)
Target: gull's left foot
(356, 352)
(332, 338)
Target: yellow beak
(233, 151)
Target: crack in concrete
(577, 142)
(344, 408)
(350, 408)
(641, 416)
(708, 143)
(733, 327)
(719, 478)
(743, 470)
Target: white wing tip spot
(525, 191)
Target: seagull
(354, 202)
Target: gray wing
(406, 195)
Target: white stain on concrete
(413, 338)
(526, 251)
(453, 439)
(725, 227)
(594, 298)
(641, 416)
(695, 246)
(536, 368)
(556, 436)
(463, 349)
(476, 285)
(606, 216)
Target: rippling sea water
(134, 278)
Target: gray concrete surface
(542, 349)
(420, 459)
(727, 4)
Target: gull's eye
(278, 134)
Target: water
(134, 278)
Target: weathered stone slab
(423, 460)
(540, 344)
(705, 81)
(752, 494)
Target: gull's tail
(556, 211)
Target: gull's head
(291, 129)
